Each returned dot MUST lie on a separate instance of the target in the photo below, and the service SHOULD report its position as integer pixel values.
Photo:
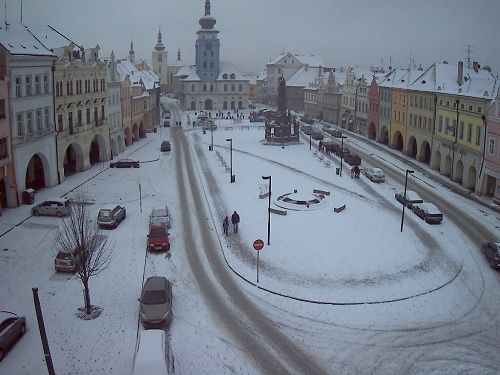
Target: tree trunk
(87, 297)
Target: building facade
(8, 196)
(113, 108)
(373, 110)
(348, 108)
(361, 106)
(28, 65)
(490, 176)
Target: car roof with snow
(430, 208)
(411, 195)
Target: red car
(158, 238)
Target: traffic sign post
(258, 245)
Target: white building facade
(29, 66)
(114, 111)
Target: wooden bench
(339, 209)
(278, 212)
(317, 191)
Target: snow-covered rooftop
(303, 77)
(19, 41)
(49, 36)
(311, 60)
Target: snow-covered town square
(187, 213)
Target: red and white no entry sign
(258, 245)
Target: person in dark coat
(235, 219)
(225, 225)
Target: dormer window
(232, 76)
(224, 76)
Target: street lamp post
(310, 138)
(404, 205)
(341, 153)
(232, 177)
(268, 210)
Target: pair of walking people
(235, 219)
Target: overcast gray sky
(342, 32)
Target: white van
(153, 355)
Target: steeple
(131, 53)
(159, 46)
(179, 54)
(207, 22)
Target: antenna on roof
(21, 12)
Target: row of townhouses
(446, 116)
(63, 108)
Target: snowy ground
(349, 264)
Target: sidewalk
(422, 168)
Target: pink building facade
(373, 108)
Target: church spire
(207, 7)
(131, 52)
(207, 22)
(179, 54)
(159, 45)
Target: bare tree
(81, 235)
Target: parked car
(352, 159)
(327, 128)
(125, 163)
(428, 212)
(160, 216)
(491, 251)
(165, 146)
(306, 129)
(12, 328)
(65, 261)
(54, 207)
(307, 120)
(410, 199)
(210, 126)
(166, 123)
(317, 135)
(375, 174)
(167, 115)
(155, 308)
(158, 238)
(342, 153)
(337, 133)
(153, 355)
(111, 217)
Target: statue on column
(281, 95)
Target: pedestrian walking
(225, 225)
(235, 219)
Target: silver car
(375, 174)
(12, 328)
(54, 207)
(156, 302)
(160, 216)
(111, 217)
(65, 262)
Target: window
(159, 58)
(479, 109)
(224, 76)
(491, 146)
(469, 132)
(440, 128)
(2, 108)
(4, 154)
(18, 87)
(211, 64)
(79, 117)
(29, 122)
(211, 88)
(461, 130)
(39, 119)
(37, 85)
(205, 53)
(47, 117)
(28, 86)
(204, 64)
(411, 100)
(192, 88)
(232, 76)
(478, 135)
(447, 103)
(420, 102)
(60, 123)
(462, 106)
(470, 108)
(87, 115)
(20, 126)
(103, 114)
(70, 120)
(411, 117)
(45, 84)
(225, 87)
(232, 87)
(204, 87)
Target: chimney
(475, 66)
(460, 75)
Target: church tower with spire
(159, 58)
(207, 47)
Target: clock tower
(159, 58)
(207, 47)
